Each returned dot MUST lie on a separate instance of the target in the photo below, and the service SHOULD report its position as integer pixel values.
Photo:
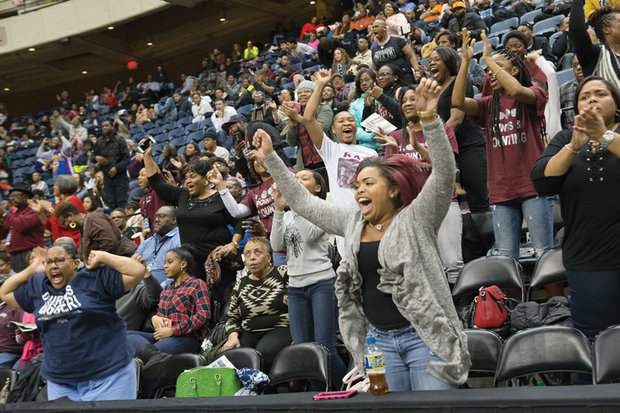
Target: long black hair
(526, 81)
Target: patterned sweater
(411, 270)
(259, 306)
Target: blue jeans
(172, 345)
(406, 357)
(507, 219)
(120, 385)
(313, 317)
(593, 297)
(7, 360)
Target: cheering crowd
(176, 206)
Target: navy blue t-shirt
(83, 337)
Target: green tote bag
(208, 382)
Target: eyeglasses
(55, 261)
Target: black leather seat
(484, 349)
(244, 357)
(304, 361)
(486, 271)
(607, 356)
(544, 350)
(549, 268)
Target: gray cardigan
(411, 270)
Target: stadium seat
(564, 76)
(192, 127)
(196, 136)
(554, 37)
(505, 26)
(137, 137)
(484, 349)
(547, 349)
(530, 16)
(244, 110)
(548, 26)
(205, 124)
(160, 138)
(173, 133)
(244, 357)
(184, 121)
(549, 268)
(304, 361)
(165, 384)
(497, 270)
(607, 356)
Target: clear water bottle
(375, 367)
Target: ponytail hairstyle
(525, 80)
(185, 253)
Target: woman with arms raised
(390, 283)
(84, 339)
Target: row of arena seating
(549, 349)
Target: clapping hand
(386, 140)
(588, 125)
(291, 112)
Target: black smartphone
(144, 144)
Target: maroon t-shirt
(405, 148)
(260, 201)
(510, 161)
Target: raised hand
(323, 76)
(427, 95)
(487, 50)
(278, 199)
(214, 176)
(262, 142)
(468, 45)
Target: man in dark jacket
(461, 19)
(112, 156)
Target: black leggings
(269, 343)
(473, 165)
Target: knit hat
(306, 84)
(458, 4)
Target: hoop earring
(72, 225)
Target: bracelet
(568, 148)
(427, 114)
(498, 70)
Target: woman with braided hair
(513, 118)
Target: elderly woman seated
(258, 312)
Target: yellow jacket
(592, 5)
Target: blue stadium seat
(148, 126)
(505, 26)
(184, 121)
(176, 132)
(424, 62)
(196, 136)
(530, 16)
(244, 110)
(155, 131)
(162, 137)
(548, 26)
(169, 125)
(192, 127)
(554, 37)
(565, 76)
(178, 141)
(290, 152)
(137, 137)
(289, 85)
(205, 124)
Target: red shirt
(260, 201)
(510, 161)
(407, 149)
(149, 204)
(26, 230)
(58, 230)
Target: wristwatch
(608, 137)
